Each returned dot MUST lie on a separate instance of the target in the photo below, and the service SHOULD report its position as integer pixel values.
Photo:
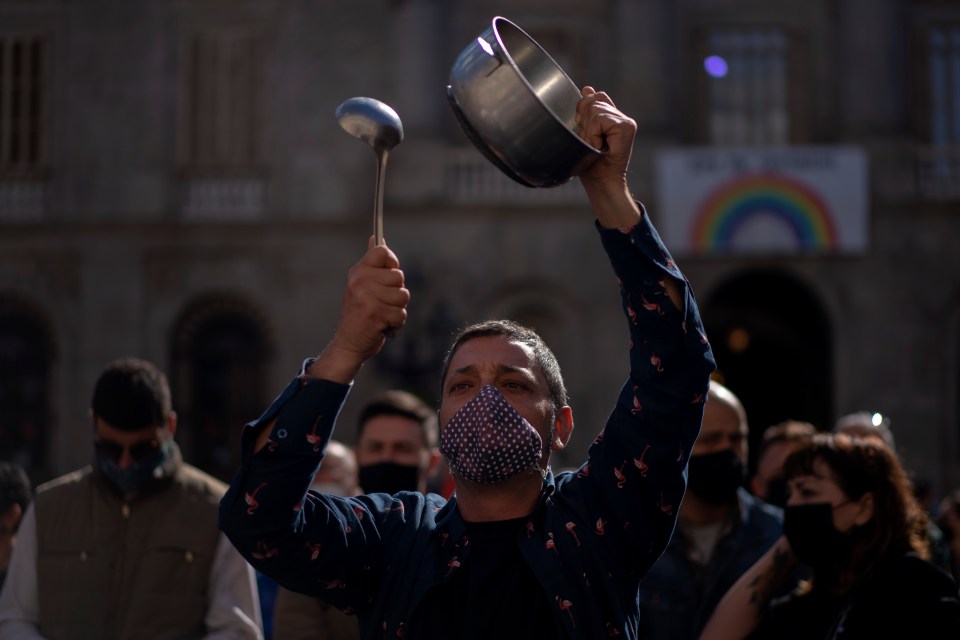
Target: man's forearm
(613, 204)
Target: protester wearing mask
(876, 426)
(518, 551)
(129, 546)
(722, 529)
(853, 520)
(396, 446)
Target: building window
(221, 124)
(944, 47)
(22, 60)
(219, 365)
(745, 79)
(938, 166)
(223, 99)
(26, 360)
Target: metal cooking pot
(518, 107)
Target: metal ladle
(379, 126)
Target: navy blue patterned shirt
(590, 539)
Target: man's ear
(864, 509)
(171, 425)
(434, 461)
(563, 429)
(10, 519)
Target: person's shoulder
(756, 510)
(66, 481)
(907, 578)
(911, 569)
(908, 583)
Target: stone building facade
(174, 185)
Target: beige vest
(108, 569)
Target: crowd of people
(451, 522)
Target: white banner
(768, 201)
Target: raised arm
(374, 304)
(302, 539)
(636, 467)
(603, 126)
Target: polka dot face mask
(487, 441)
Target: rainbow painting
(776, 198)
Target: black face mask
(812, 535)
(777, 492)
(388, 477)
(715, 477)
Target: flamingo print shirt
(591, 538)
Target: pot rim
(509, 57)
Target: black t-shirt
(494, 595)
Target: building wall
(114, 257)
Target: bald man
(721, 531)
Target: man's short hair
(396, 402)
(132, 394)
(786, 431)
(15, 487)
(511, 330)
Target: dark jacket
(675, 603)
(902, 596)
(592, 536)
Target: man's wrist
(336, 364)
(614, 206)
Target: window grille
(21, 105)
(944, 47)
(938, 161)
(223, 99)
(26, 361)
(747, 86)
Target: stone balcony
(469, 178)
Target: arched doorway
(773, 345)
(26, 359)
(220, 352)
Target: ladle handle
(378, 204)
(378, 213)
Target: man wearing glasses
(129, 546)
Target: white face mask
(487, 441)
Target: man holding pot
(517, 551)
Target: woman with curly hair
(853, 521)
